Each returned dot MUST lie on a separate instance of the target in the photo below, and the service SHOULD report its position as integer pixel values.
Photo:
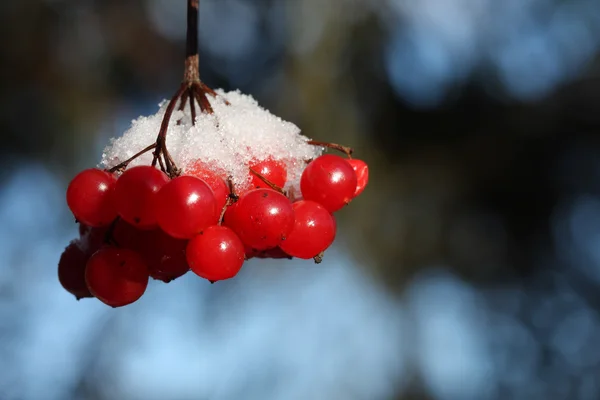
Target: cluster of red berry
(143, 224)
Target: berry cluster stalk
(191, 90)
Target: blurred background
(468, 269)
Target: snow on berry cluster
(237, 134)
(250, 186)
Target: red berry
(71, 270)
(90, 197)
(330, 181)
(213, 179)
(251, 253)
(274, 253)
(93, 239)
(261, 218)
(314, 230)
(274, 171)
(135, 192)
(164, 255)
(127, 236)
(362, 174)
(117, 277)
(185, 206)
(216, 253)
(229, 216)
(83, 229)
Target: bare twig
(344, 149)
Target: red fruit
(330, 181)
(117, 277)
(213, 179)
(216, 253)
(92, 240)
(314, 230)
(229, 216)
(135, 192)
(165, 256)
(71, 270)
(274, 253)
(185, 206)
(274, 171)
(127, 236)
(251, 253)
(261, 218)
(90, 197)
(362, 174)
(83, 229)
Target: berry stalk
(191, 48)
(191, 90)
(268, 182)
(344, 149)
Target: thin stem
(231, 199)
(162, 165)
(125, 163)
(192, 73)
(162, 133)
(229, 202)
(232, 195)
(268, 182)
(319, 258)
(193, 109)
(206, 89)
(344, 149)
(202, 100)
(191, 42)
(172, 169)
(182, 104)
(183, 100)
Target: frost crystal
(228, 140)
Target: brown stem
(268, 182)
(192, 73)
(174, 171)
(191, 42)
(202, 100)
(125, 163)
(162, 133)
(192, 108)
(183, 100)
(182, 103)
(319, 258)
(344, 149)
(208, 90)
(162, 165)
(231, 199)
(232, 195)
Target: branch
(191, 73)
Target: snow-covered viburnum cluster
(228, 141)
(206, 194)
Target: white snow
(230, 139)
